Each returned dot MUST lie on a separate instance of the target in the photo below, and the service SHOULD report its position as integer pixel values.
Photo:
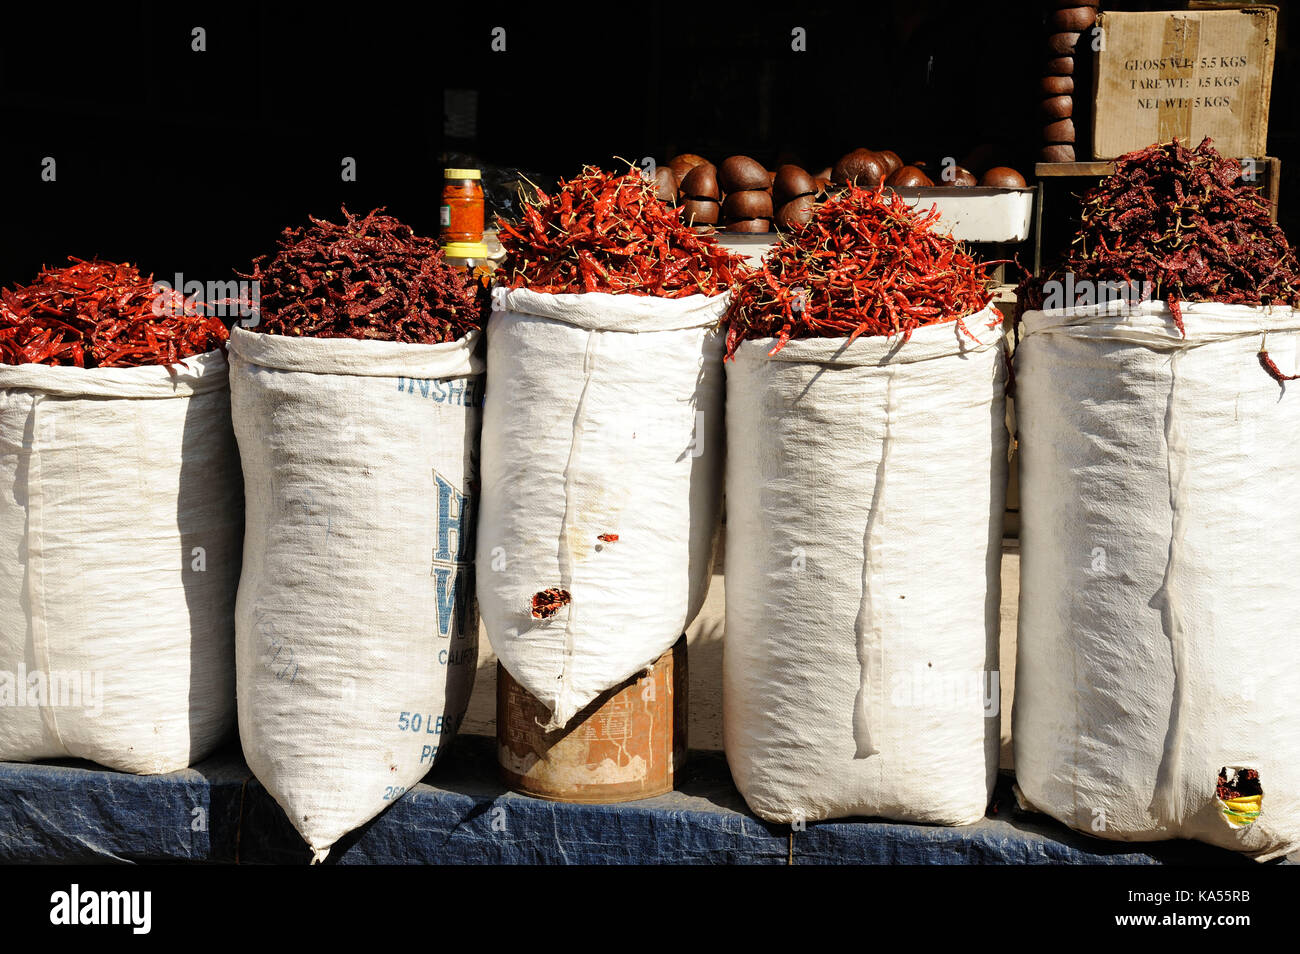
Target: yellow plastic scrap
(1242, 810)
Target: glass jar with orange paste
(461, 214)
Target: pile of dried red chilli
(550, 601)
(100, 314)
(1184, 221)
(866, 264)
(367, 277)
(1244, 783)
(604, 232)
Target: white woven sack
(603, 416)
(1159, 642)
(356, 632)
(865, 496)
(120, 522)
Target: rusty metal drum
(626, 744)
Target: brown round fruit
(961, 177)
(795, 213)
(893, 162)
(749, 225)
(861, 166)
(826, 174)
(1057, 107)
(1060, 66)
(792, 182)
(1062, 44)
(686, 162)
(1056, 85)
(665, 184)
(747, 204)
(1003, 177)
(1060, 131)
(909, 177)
(1072, 18)
(701, 183)
(681, 165)
(1057, 152)
(738, 173)
(700, 212)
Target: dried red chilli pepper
(866, 263)
(1176, 310)
(609, 232)
(1184, 221)
(368, 277)
(98, 314)
(1273, 370)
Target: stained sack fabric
(356, 629)
(121, 513)
(1158, 601)
(603, 418)
(865, 493)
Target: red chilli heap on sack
(369, 277)
(605, 232)
(1183, 222)
(866, 264)
(100, 314)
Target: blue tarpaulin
(216, 812)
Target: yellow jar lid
(462, 174)
(465, 250)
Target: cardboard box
(1188, 73)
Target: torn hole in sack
(550, 601)
(1240, 795)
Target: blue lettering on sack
(453, 568)
(462, 392)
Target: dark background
(193, 162)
